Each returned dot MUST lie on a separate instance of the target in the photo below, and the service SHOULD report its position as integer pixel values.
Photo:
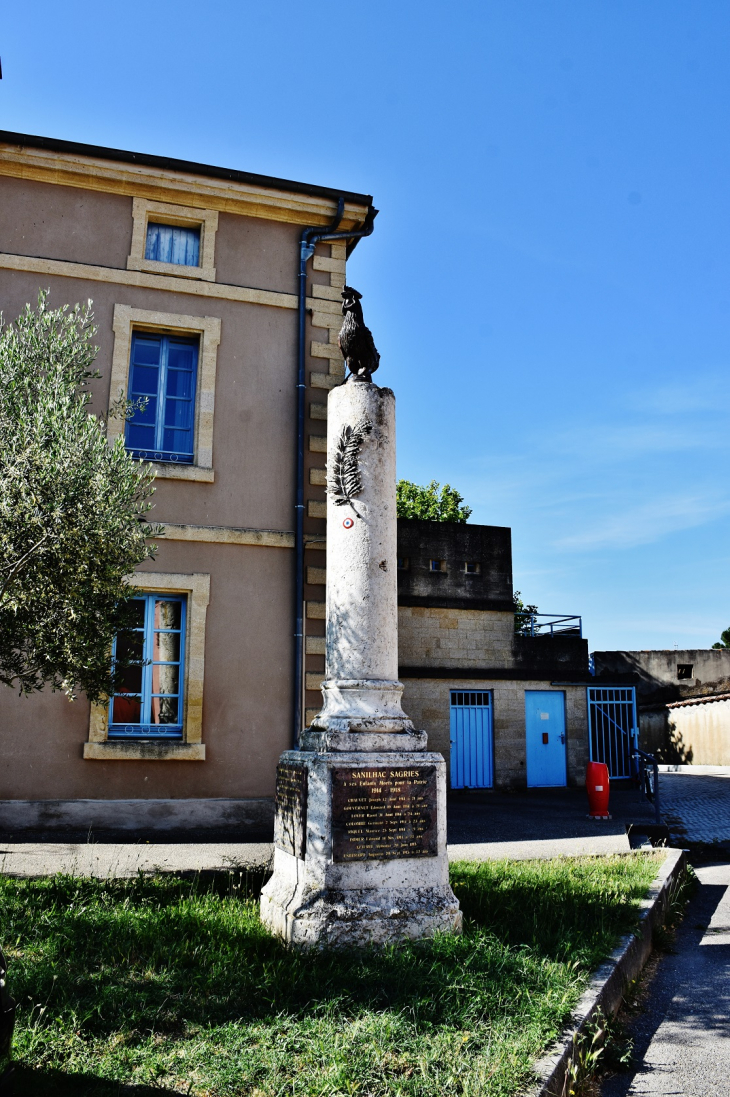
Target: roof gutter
(309, 239)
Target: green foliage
(522, 621)
(71, 509)
(724, 639)
(176, 986)
(446, 505)
(586, 1058)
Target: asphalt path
(682, 1035)
(481, 826)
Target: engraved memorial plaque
(383, 812)
(290, 827)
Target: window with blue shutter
(163, 370)
(173, 244)
(149, 704)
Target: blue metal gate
(613, 728)
(471, 739)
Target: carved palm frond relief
(344, 481)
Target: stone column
(362, 694)
(360, 832)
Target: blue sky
(548, 279)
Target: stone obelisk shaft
(362, 581)
(361, 691)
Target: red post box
(598, 789)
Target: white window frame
(208, 328)
(192, 749)
(164, 213)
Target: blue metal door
(545, 738)
(471, 739)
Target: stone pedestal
(360, 838)
(360, 846)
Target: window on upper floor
(437, 565)
(173, 244)
(685, 670)
(168, 239)
(149, 704)
(163, 371)
(471, 567)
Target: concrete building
(683, 700)
(468, 674)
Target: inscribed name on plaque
(383, 812)
(290, 827)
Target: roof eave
(168, 163)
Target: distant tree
(724, 639)
(446, 505)
(522, 615)
(72, 509)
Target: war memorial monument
(360, 831)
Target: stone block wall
(454, 637)
(427, 702)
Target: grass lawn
(165, 985)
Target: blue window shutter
(173, 244)
(163, 370)
(149, 704)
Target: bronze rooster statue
(355, 339)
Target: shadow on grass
(171, 958)
(26, 1082)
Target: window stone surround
(128, 320)
(192, 749)
(144, 211)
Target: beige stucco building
(89, 222)
(194, 272)
(699, 730)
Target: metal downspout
(309, 239)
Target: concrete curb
(605, 991)
(697, 771)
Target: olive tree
(72, 509)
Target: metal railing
(647, 772)
(555, 625)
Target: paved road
(541, 815)
(696, 808)
(489, 825)
(482, 826)
(682, 1038)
